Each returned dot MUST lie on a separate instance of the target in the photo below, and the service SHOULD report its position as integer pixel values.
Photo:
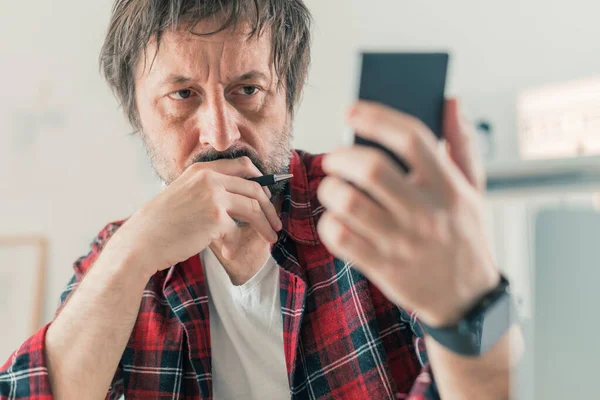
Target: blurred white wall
(78, 169)
(498, 48)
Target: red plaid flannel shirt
(342, 338)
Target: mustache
(209, 155)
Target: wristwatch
(482, 326)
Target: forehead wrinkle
(206, 58)
(187, 54)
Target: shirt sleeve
(424, 387)
(25, 373)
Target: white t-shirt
(246, 332)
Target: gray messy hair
(134, 23)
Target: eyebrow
(254, 74)
(175, 79)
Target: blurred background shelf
(530, 178)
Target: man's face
(211, 97)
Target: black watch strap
(481, 327)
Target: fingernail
(269, 193)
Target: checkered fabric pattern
(342, 338)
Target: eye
(248, 90)
(181, 94)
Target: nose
(217, 125)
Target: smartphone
(413, 83)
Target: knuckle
(412, 141)
(374, 110)
(341, 236)
(374, 170)
(204, 175)
(380, 117)
(198, 168)
(257, 190)
(215, 212)
(255, 206)
(415, 124)
(422, 134)
(350, 203)
(195, 167)
(246, 162)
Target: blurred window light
(560, 120)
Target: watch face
(497, 320)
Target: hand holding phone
(407, 236)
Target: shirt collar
(300, 208)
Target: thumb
(461, 145)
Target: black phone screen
(413, 83)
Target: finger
(247, 169)
(241, 167)
(374, 172)
(248, 210)
(404, 135)
(345, 243)
(354, 208)
(230, 240)
(254, 191)
(460, 138)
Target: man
(218, 288)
